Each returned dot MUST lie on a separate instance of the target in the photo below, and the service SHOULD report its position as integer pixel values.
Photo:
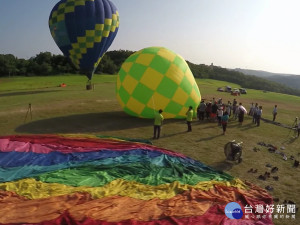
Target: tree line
(46, 63)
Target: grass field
(74, 110)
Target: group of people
(218, 111)
(256, 113)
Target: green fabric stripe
(160, 64)
(130, 112)
(82, 45)
(70, 3)
(190, 102)
(61, 40)
(195, 87)
(133, 57)
(167, 87)
(61, 11)
(148, 112)
(152, 50)
(107, 27)
(98, 33)
(137, 71)
(180, 63)
(146, 173)
(122, 75)
(142, 93)
(186, 86)
(173, 108)
(124, 95)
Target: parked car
(228, 88)
(235, 92)
(220, 89)
(243, 91)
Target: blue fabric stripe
(129, 157)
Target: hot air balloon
(84, 30)
(156, 78)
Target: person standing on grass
(274, 113)
(255, 113)
(201, 110)
(242, 112)
(224, 121)
(234, 106)
(158, 120)
(208, 110)
(189, 118)
(258, 115)
(214, 109)
(251, 111)
(229, 108)
(219, 115)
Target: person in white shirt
(242, 111)
(219, 114)
(274, 113)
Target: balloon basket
(89, 87)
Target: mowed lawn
(74, 110)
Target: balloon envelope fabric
(156, 78)
(84, 30)
(51, 179)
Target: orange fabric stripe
(15, 209)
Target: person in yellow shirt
(158, 121)
(189, 118)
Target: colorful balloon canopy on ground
(84, 30)
(156, 78)
(89, 180)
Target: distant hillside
(290, 80)
(237, 77)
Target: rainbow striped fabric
(50, 179)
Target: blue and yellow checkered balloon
(156, 78)
(84, 30)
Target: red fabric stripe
(48, 143)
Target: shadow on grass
(209, 138)
(25, 93)
(248, 126)
(173, 134)
(231, 125)
(93, 122)
(211, 127)
(290, 140)
(223, 165)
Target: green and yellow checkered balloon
(156, 78)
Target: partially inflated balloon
(156, 78)
(84, 30)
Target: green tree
(8, 64)
(22, 66)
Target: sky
(248, 34)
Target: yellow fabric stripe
(33, 189)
